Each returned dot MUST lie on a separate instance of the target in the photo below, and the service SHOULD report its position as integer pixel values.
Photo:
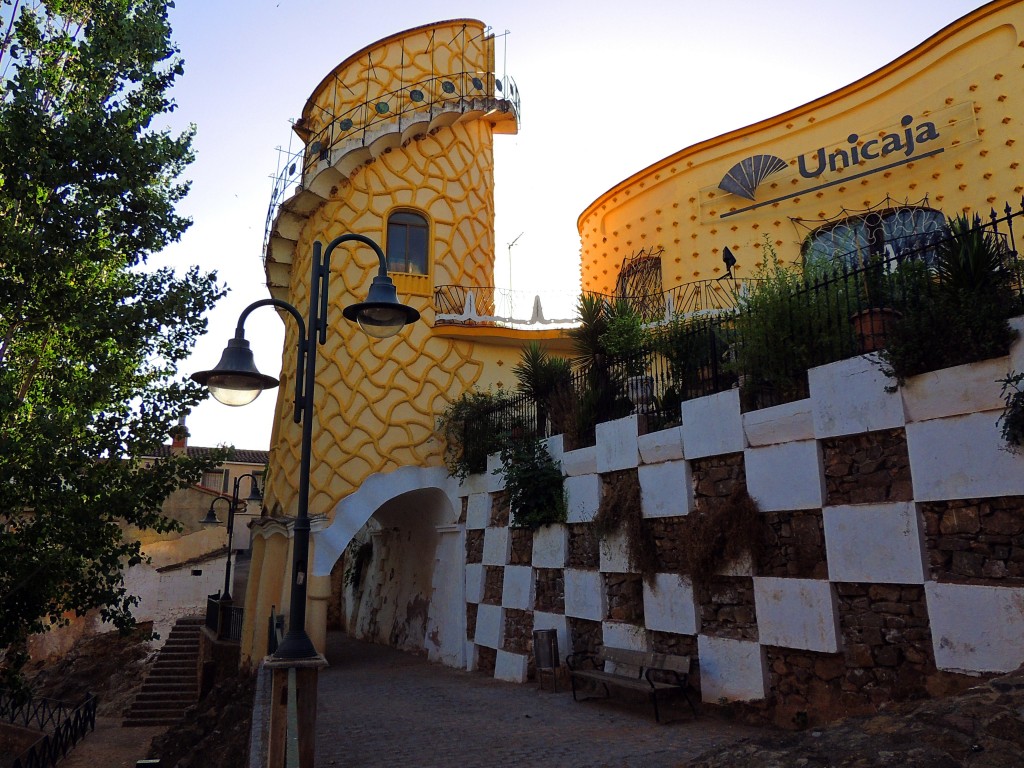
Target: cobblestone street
(381, 707)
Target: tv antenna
(510, 258)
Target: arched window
(408, 238)
(909, 231)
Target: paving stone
(382, 707)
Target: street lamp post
(236, 381)
(211, 519)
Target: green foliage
(964, 300)
(602, 397)
(786, 327)
(534, 483)
(1011, 421)
(722, 532)
(468, 429)
(620, 510)
(89, 341)
(547, 380)
(624, 336)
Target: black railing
(764, 346)
(224, 618)
(67, 726)
(275, 630)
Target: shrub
(470, 431)
(1011, 422)
(955, 311)
(534, 483)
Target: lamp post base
(294, 647)
(293, 686)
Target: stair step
(149, 722)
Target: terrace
(924, 304)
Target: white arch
(352, 512)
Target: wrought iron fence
(67, 726)
(777, 330)
(275, 630)
(224, 618)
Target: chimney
(179, 436)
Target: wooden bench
(656, 674)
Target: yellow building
(397, 146)
(938, 129)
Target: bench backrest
(646, 659)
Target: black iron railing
(63, 726)
(275, 630)
(224, 618)
(764, 345)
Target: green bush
(954, 312)
(534, 483)
(470, 431)
(791, 319)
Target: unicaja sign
(906, 144)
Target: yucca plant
(544, 378)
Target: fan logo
(744, 177)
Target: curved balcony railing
(362, 123)
(487, 305)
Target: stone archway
(406, 582)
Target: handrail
(69, 726)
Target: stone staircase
(172, 684)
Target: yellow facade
(966, 81)
(384, 151)
(935, 128)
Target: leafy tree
(89, 337)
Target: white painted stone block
(849, 397)
(582, 461)
(583, 493)
(614, 553)
(510, 667)
(663, 445)
(495, 480)
(876, 543)
(666, 489)
(962, 457)
(478, 511)
(474, 582)
(584, 594)
(734, 670)
(1017, 348)
(786, 476)
(472, 656)
(497, 544)
(550, 546)
(556, 447)
(517, 587)
(473, 484)
(560, 624)
(797, 613)
(490, 625)
(670, 606)
(618, 634)
(617, 446)
(963, 389)
(712, 425)
(974, 628)
(779, 423)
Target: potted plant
(876, 315)
(957, 309)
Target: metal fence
(224, 618)
(67, 726)
(780, 327)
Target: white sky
(607, 88)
